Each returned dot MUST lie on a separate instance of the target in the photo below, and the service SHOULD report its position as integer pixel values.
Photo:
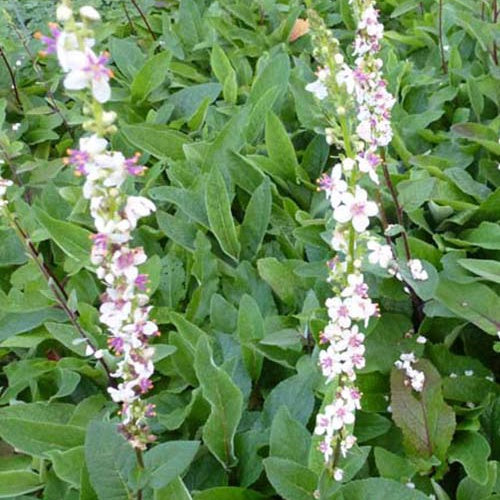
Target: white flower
(421, 339)
(63, 13)
(469, 373)
(417, 270)
(137, 207)
(357, 209)
(16, 126)
(86, 69)
(333, 185)
(379, 254)
(93, 145)
(338, 474)
(88, 12)
(318, 88)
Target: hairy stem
(12, 77)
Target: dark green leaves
(226, 403)
(150, 76)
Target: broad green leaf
(392, 466)
(68, 336)
(224, 72)
(475, 302)
(280, 276)
(280, 148)
(469, 489)
(175, 490)
(250, 330)
(12, 252)
(289, 438)
(276, 73)
(150, 76)
(377, 488)
(158, 140)
(226, 403)
(189, 99)
(426, 421)
(17, 482)
(73, 240)
(219, 214)
(126, 55)
(38, 428)
(68, 464)
(256, 221)
(487, 235)
(292, 481)
(109, 459)
(481, 134)
(228, 493)
(472, 450)
(14, 323)
(168, 460)
(487, 269)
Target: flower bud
(63, 13)
(108, 117)
(89, 13)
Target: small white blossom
(88, 12)
(417, 270)
(63, 13)
(356, 208)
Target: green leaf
(487, 235)
(392, 466)
(226, 403)
(281, 278)
(478, 133)
(289, 438)
(38, 428)
(68, 464)
(276, 73)
(475, 302)
(487, 269)
(250, 330)
(469, 489)
(280, 148)
(168, 460)
(109, 459)
(256, 221)
(175, 490)
(228, 493)
(427, 421)
(126, 55)
(17, 482)
(12, 251)
(223, 70)
(292, 481)
(219, 214)
(68, 337)
(158, 140)
(472, 450)
(150, 76)
(73, 240)
(377, 488)
(14, 323)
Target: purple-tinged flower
(49, 41)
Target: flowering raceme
(124, 304)
(360, 104)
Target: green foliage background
(217, 107)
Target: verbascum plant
(124, 308)
(357, 106)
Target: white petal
(360, 223)
(342, 214)
(76, 80)
(371, 209)
(101, 90)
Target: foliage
(217, 107)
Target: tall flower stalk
(124, 308)
(357, 105)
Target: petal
(371, 209)
(101, 90)
(342, 214)
(76, 80)
(360, 223)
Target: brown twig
(12, 77)
(127, 15)
(494, 8)
(144, 18)
(444, 65)
(416, 301)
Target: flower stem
(144, 18)
(140, 464)
(12, 77)
(444, 65)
